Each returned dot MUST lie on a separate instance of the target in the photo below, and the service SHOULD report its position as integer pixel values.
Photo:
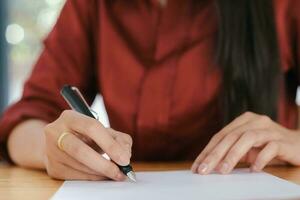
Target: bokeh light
(14, 34)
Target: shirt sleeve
(67, 58)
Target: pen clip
(76, 90)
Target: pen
(77, 102)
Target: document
(175, 185)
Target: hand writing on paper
(250, 138)
(80, 158)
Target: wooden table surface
(17, 183)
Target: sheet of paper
(173, 185)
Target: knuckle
(216, 137)
(67, 113)
(248, 114)
(264, 120)
(67, 116)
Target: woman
(172, 74)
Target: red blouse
(154, 67)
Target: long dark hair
(248, 55)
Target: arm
(32, 140)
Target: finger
(218, 167)
(123, 139)
(251, 155)
(89, 157)
(216, 155)
(259, 122)
(90, 142)
(247, 141)
(98, 133)
(266, 155)
(67, 160)
(239, 121)
(63, 172)
(242, 146)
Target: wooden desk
(17, 183)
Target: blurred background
(29, 21)
(23, 26)
(25, 23)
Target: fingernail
(224, 168)
(202, 169)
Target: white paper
(174, 185)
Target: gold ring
(60, 139)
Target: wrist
(26, 145)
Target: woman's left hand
(251, 138)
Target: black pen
(77, 102)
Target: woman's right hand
(80, 159)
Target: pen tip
(131, 176)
